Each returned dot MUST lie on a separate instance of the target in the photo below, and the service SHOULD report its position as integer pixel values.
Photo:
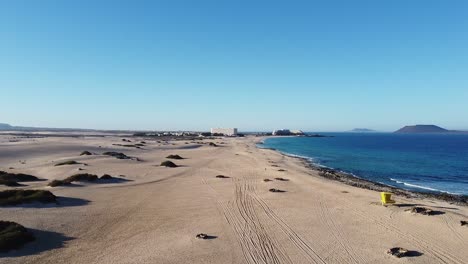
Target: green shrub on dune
(81, 177)
(13, 236)
(68, 162)
(106, 177)
(168, 163)
(14, 197)
(9, 183)
(12, 179)
(174, 157)
(20, 177)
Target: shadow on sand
(45, 240)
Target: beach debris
(205, 236)
(168, 164)
(422, 210)
(222, 176)
(86, 153)
(398, 252)
(463, 223)
(281, 179)
(276, 190)
(13, 236)
(266, 180)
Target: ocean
(417, 162)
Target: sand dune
(155, 215)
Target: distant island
(423, 129)
(362, 130)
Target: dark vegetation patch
(19, 177)
(13, 236)
(281, 179)
(106, 177)
(267, 180)
(68, 162)
(12, 179)
(222, 177)
(168, 163)
(14, 197)
(86, 153)
(174, 157)
(81, 177)
(212, 144)
(118, 155)
(129, 145)
(463, 223)
(281, 170)
(9, 183)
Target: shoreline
(355, 181)
(257, 205)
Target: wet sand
(155, 215)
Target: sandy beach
(154, 214)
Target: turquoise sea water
(421, 162)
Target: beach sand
(155, 215)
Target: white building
(225, 131)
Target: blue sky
(255, 65)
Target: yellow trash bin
(386, 198)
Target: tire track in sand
(335, 230)
(257, 245)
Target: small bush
(174, 157)
(169, 164)
(81, 177)
(213, 144)
(86, 153)
(13, 236)
(56, 183)
(9, 183)
(117, 155)
(106, 177)
(68, 162)
(221, 177)
(19, 177)
(14, 197)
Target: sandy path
(155, 215)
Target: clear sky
(255, 65)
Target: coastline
(227, 190)
(356, 181)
